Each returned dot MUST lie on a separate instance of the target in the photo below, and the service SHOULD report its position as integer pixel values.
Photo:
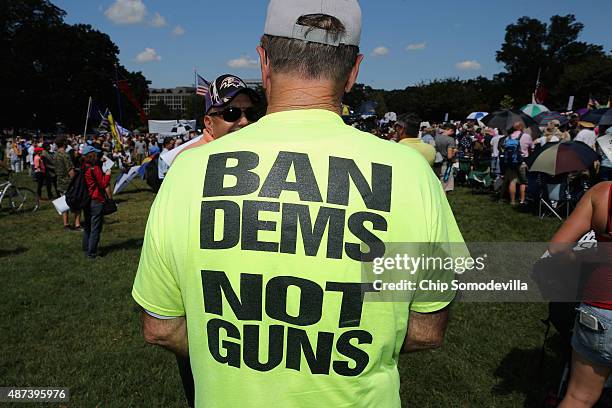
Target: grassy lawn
(68, 321)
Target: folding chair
(479, 177)
(465, 166)
(554, 198)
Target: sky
(405, 42)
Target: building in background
(176, 98)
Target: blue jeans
(605, 173)
(92, 227)
(594, 345)
(495, 167)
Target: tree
(589, 78)
(161, 111)
(358, 95)
(507, 102)
(50, 69)
(531, 46)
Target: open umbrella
(125, 179)
(477, 115)
(505, 119)
(534, 109)
(545, 118)
(564, 158)
(606, 119)
(582, 111)
(594, 115)
(181, 129)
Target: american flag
(201, 86)
(104, 119)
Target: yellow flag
(115, 133)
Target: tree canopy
(567, 67)
(50, 69)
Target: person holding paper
(64, 170)
(97, 182)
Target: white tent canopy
(164, 127)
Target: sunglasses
(233, 114)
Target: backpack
(152, 175)
(77, 194)
(512, 152)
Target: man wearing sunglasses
(229, 106)
(257, 276)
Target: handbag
(109, 206)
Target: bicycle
(19, 199)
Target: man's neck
(289, 93)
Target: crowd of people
(463, 146)
(189, 265)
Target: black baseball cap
(224, 89)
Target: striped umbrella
(564, 158)
(477, 115)
(545, 118)
(534, 109)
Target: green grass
(71, 322)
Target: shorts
(517, 175)
(594, 345)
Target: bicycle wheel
(24, 200)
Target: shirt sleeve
(156, 286)
(445, 241)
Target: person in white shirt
(587, 134)
(495, 167)
(162, 167)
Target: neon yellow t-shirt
(427, 151)
(256, 239)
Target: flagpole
(533, 95)
(87, 117)
(118, 94)
(195, 103)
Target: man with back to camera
(446, 146)
(229, 106)
(407, 126)
(224, 257)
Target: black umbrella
(606, 119)
(505, 119)
(594, 115)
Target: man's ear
(264, 62)
(208, 125)
(353, 75)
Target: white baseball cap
(283, 16)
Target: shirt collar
(303, 115)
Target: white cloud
(380, 51)
(468, 65)
(416, 46)
(126, 12)
(178, 30)
(148, 55)
(158, 20)
(243, 63)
